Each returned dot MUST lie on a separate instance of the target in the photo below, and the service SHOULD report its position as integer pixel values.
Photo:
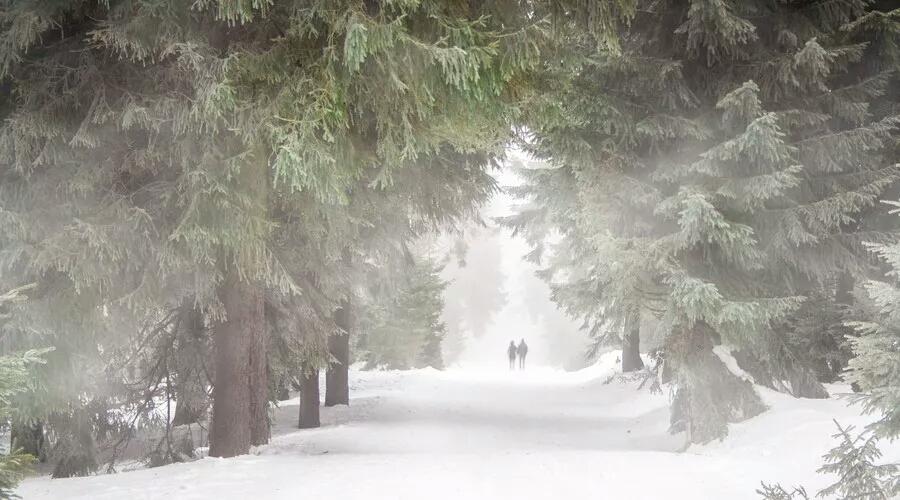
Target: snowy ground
(468, 434)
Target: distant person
(511, 352)
(522, 351)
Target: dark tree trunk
(240, 393)
(30, 439)
(190, 357)
(631, 342)
(309, 398)
(76, 450)
(337, 383)
(230, 430)
(283, 392)
(259, 381)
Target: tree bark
(240, 404)
(191, 398)
(230, 430)
(309, 398)
(259, 381)
(631, 342)
(337, 378)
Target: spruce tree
(715, 167)
(854, 465)
(854, 461)
(875, 366)
(401, 327)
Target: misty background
(493, 296)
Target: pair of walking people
(521, 351)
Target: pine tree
(715, 168)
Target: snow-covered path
(467, 435)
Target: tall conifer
(715, 168)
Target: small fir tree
(854, 462)
(402, 328)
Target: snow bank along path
(427, 434)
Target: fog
(493, 297)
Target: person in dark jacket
(522, 351)
(511, 352)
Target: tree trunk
(337, 388)
(240, 393)
(230, 430)
(190, 357)
(309, 398)
(30, 439)
(631, 342)
(259, 382)
(283, 392)
(258, 185)
(75, 450)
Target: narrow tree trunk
(230, 430)
(631, 342)
(30, 439)
(309, 398)
(283, 392)
(337, 388)
(190, 380)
